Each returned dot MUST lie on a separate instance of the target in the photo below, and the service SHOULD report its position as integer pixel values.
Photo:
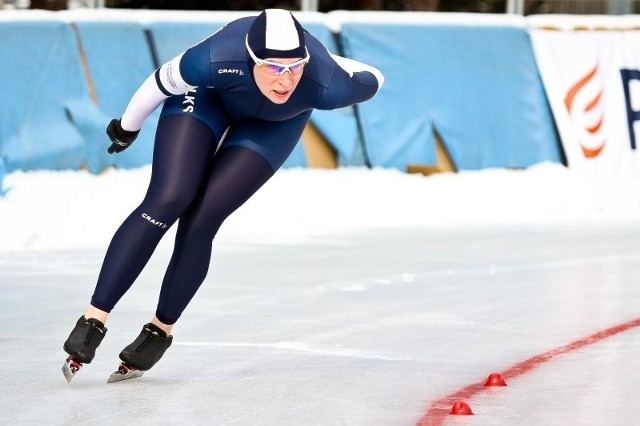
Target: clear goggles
(275, 68)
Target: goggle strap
(284, 67)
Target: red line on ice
(438, 410)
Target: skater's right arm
(166, 81)
(187, 71)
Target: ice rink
(343, 324)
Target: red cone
(461, 408)
(495, 379)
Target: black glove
(120, 138)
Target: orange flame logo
(584, 102)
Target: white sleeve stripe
(170, 78)
(351, 66)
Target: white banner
(592, 80)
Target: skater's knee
(165, 206)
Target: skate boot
(142, 354)
(82, 344)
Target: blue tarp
(40, 73)
(119, 60)
(478, 86)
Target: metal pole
(515, 6)
(309, 5)
(620, 7)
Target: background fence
(463, 87)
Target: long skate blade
(124, 373)
(70, 368)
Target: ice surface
(350, 297)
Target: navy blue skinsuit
(200, 184)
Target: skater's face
(277, 78)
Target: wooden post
(320, 154)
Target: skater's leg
(250, 155)
(237, 171)
(183, 148)
(236, 174)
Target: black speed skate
(82, 344)
(142, 354)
